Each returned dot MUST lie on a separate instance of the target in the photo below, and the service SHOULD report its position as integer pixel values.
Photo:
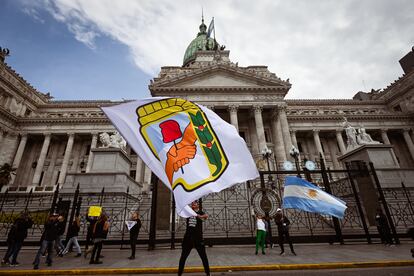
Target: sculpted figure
(104, 139)
(351, 135)
(364, 138)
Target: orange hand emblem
(179, 155)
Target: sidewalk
(222, 258)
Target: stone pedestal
(384, 159)
(109, 169)
(381, 155)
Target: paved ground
(229, 256)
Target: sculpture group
(112, 141)
(356, 137)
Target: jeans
(59, 244)
(13, 250)
(45, 245)
(97, 247)
(74, 241)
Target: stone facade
(46, 139)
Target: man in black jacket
(49, 236)
(17, 234)
(193, 238)
(283, 223)
(133, 234)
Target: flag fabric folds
(301, 194)
(190, 148)
(210, 28)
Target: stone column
(384, 136)
(20, 151)
(2, 133)
(233, 116)
(66, 157)
(332, 150)
(23, 110)
(285, 130)
(293, 138)
(147, 178)
(93, 146)
(138, 173)
(279, 149)
(340, 141)
(409, 142)
(318, 142)
(41, 160)
(259, 126)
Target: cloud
(328, 49)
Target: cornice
(325, 117)
(319, 102)
(26, 84)
(220, 88)
(82, 103)
(70, 121)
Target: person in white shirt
(260, 234)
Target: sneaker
(293, 252)
(282, 253)
(255, 253)
(131, 257)
(35, 267)
(263, 253)
(4, 262)
(15, 264)
(78, 255)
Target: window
(88, 149)
(132, 173)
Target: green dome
(200, 43)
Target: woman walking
(100, 232)
(73, 232)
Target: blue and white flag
(301, 194)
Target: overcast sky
(106, 49)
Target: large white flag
(189, 147)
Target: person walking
(193, 238)
(133, 234)
(15, 238)
(73, 232)
(59, 246)
(260, 234)
(383, 227)
(89, 233)
(100, 232)
(283, 223)
(50, 236)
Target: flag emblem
(180, 136)
(312, 193)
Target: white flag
(130, 224)
(190, 148)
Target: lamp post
(294, 152)
(267, 153)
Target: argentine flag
(301, 194)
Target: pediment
(222, 77)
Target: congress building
(51, 142)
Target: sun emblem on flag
(312, 193)
(181, 137)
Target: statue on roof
(4, 52)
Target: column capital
(292, 131)
(339, 130)
(258, 108)
(406, 130)
(47, 134)
(316, 130)
(23, 134)
(384, 130)
(211, 107)
(282, 107)
(233, 107)
(71, 134)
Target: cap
(278, 210)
